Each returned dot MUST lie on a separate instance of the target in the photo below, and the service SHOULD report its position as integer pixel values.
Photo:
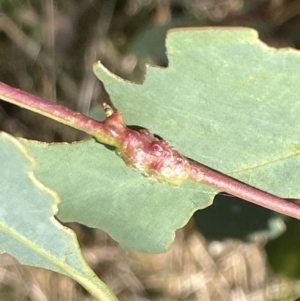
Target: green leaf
(28, 229)
(98, 190)
(226, 100)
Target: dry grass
(191, 270)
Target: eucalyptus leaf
(226, 100)
(28, 228)
(98, 190)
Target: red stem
(56, 112)
(113, 131)
(239, 189)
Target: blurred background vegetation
(48, 48)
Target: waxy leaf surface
(98, 190)
(28, 228)
(226, 100)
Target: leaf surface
(99, 190)
(226, 100)
(28, 229)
